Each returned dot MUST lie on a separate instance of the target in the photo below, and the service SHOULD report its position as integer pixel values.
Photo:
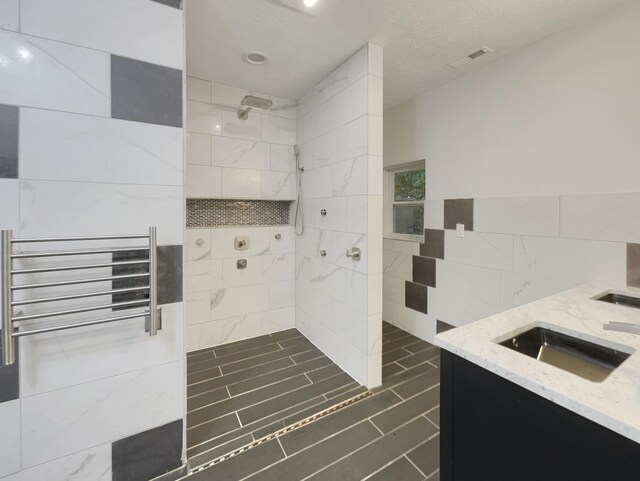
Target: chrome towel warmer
(14, 327)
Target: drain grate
(281, 432)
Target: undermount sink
(620, 299)
(583, 358)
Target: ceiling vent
(470, 58)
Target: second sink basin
(583, 358)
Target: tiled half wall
(514, 250)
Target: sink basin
(583, 358)
(620, 299)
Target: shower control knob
(278, 236)
(323, 212)
(323, 253)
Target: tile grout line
(414, 464)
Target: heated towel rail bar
(15, 326)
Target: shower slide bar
(15, 326)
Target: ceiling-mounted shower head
(251, 102)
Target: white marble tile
(278, 320)
(612, 217)
(570, 260)
(93, 464)
(358, 64)
(52, 209)
(241, 183)
(519, 289)
(282, 294)
(10, 14)
(458, 310)
(198, 90)
(116, 26)
(204, 335)
(414, 322)
(286, 243)
(469, 281)
(434, 214)
(484, 250)
(357, 286)
(61, 359)
(204, 181)
(199, 148)
(204, 118)
(240, 154)
(346, 142)
(375, 221)
(357, 214)
(10, 459)
(278, 267)
(313, 300)
(10, 196)
(344, 241)
(197, 309)
(249, 128)
(279, 185)
(197, 244)
(375, 264)
(375, 293)
(283, 158)
(356, 364)
(63, 146)
(227, 95)
(322, 276)
(222, 240)
(376, 54)
(203, 276)
(313, 241)
(132, 403)
(393, 288)
(375, 129)
(283, 108)
(349, 323)
(278, 130)
(317, 183)
(234, 277)
(375, 96)
(375, 175)
(402, 246)
(238, 301)
(537, 216)
(396, 264)
(52, 75)
(350, 177)
(332, 345)
(241, 327)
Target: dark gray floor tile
(286, 334)
(419, 358)
(244, 464)
(276, 376)
(399, 343)
(376, 455)
(307, 355)
(414, 407)
(238, 376)
(307, 462)
(244, 345)
(418, 346)
(209, 397)
(395, 335)
(272, 356)
(388, 327)
(331, 424)
(199, 456)
(401, 376)
(435, 361)
(145, 92)
(252, 353)
(341, 390)
(356, 391)
(324, 373)
(212, 429)
(245, 400)
(391, 370)
(458, 211)
(420, 383)
(400, 470)
(434, 416)
(288, 343)
(9, 140)
(148, 454)
(427, 456)
(10, 378)
(392, 356)
(200, 356)
(298, 396)
(169, 274)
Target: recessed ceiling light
(255, 58)
(310, 3)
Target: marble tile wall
(521, 249)
(83, 166)
(338, 300)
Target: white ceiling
(420, 38)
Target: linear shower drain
(281, 432)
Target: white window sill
(404, 237)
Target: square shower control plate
(241, 243)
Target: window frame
(392, 193)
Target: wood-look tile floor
(390, 436)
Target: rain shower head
(251, 102)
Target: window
(408, 187)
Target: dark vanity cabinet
(494, 430)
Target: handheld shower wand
(299, 216)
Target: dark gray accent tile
(209, 397)
(424, 271)
(400, 470)
(429, 379)
(416, 406)
(633, 265)
(379, 453)
(148, 454)
(420, 358)
(9, 141)
(433, 244)
(244, 464)
(145, 92)
(443, 326)
(207, 213)
(427, 456)
(415, 297)
(212, 429)
(170, 3)
(169, 274)
(10, 377)
(299, 439)
(458, 211)
(434, 416)
(328, 451)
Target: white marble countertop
(613, 403)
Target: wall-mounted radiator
(26, 311)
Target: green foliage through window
(410, 186)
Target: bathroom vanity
(543, 393)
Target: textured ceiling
(420, 38)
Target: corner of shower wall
(339, 298)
